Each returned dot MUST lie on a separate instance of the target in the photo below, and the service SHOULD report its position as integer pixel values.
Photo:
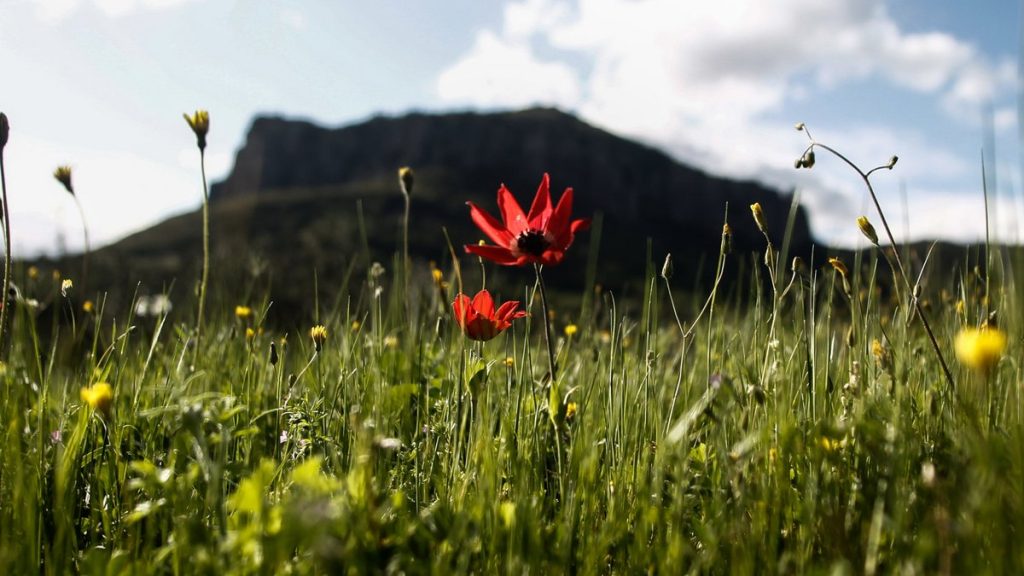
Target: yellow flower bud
(406, 178)
(199, 121)
(867, 229)
(759, 219)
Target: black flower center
(532, 242)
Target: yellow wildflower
(88, 306)
(319, 335)
(243, 312)
(250, 334)
(571, 330)
(66, 285)
(33, 272)
(980, 349)
(570, 410)
(99, 396)
(355, 325)
(391, 341)
(199, 121)
(510, 361)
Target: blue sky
(101, 85)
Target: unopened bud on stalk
(199, 121)
(867, 229)
(892, 162)
(666, 268)
(406, 178)
(726, 238)
(759, 219)
(839, 266)
(808, 159)
(797, 266)
(273, 354)
(5, 130)
(799, 126)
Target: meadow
(856, 417)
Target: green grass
(787, 451)
(772, 438)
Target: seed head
(63, 175)
(666, 268)
(5, 130)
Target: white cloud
(57, 10)
(703, 79)
(293, 18)
(501, 73)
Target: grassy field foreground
(803, 424)
(793, 436)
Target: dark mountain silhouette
(292, 203)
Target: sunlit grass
(801, 423)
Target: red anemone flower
(540, 237)
(478, 318)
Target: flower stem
(206, 252)
(866, 177)
(547, 321)
(7, 261)
(88, 248)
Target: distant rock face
(633, 185)
(295, 188)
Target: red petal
(579, 225)
(506, 311)
(558, 224)
(552, 257)
(489, 225)
(540, 210)
(495, 254)
(484, 304)
(511, 212)
(461, 307)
